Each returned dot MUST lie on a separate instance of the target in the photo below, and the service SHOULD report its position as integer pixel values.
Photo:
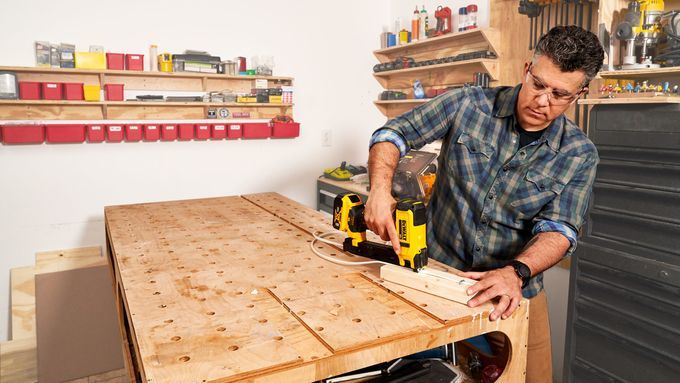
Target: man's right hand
(378, 216)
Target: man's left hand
(503, 283)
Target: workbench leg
(518, 335)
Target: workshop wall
(52, 196)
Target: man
(513, 182)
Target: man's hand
(503, 283)
(378, 217)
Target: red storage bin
(134, 62)
(52, 90)
(285, 129)
(169, 132)
(234, 131)
(219, 131)
(113, 92)
(23, 134)
(133, 132)
(73, 91)
(257, 130)
(67, 133)
(186, 131)
(114, 133)
(152, 132)
(95, 133)
(115, 61)
(29, 90)
(202, 131)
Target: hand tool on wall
(443, 16)
(410, 224)
(532, 10)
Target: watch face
(523, 270)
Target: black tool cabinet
(624, 309)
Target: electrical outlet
(326, 137)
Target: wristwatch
(522, 271)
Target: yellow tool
(165, 62)
(410, 223)
(641, 30)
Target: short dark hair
(572, 48)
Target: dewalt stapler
(410, 218)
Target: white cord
(321, 238)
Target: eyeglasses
(556, 98)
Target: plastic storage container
(113, 92)
(91, 92)
(67, 133)
(219, 131)
(133, 132)
(202, 131)
(52, 90)
(134, 62)
(73, 91)
(90, 60)
(257, 130)
(114, 133)
(95, 133)
(186, 131)
(152, 132)
(29, 90)
(285, 129)
(234, 131)
(23, 134)
(115, 61)
(168, 132)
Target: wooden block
(23, 302)
(60, 260)
(77, 327)
(18, 363)
(435, 282)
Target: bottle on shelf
(462, 19)
(415, 25)
(153, 58)
(424, 24)
(471, 17)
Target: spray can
(424, 25)
(415, 25)
(462, 19)
(471, 16)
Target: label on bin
(115, 128)
(95, 127)
(134, 57)
(51, 85)
(151, 127)
(170, 127)
(219, 127)
(133, 127)
(235, 127)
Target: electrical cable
(320, 238)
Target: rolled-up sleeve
(567, 212)
(421, 125)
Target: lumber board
(68, 259)
(23, 302)
(228, 289)
(439, 283)
(18, 361)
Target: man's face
(546, 93)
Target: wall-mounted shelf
(631, 100)
(638, 73)
(438, 76)
(153, 82)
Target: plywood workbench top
(228, 289)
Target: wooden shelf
(631, 100)
(446, 45)
(391, 108)
(132, 73)
(151, 82)
(647, 73)
(440, 75)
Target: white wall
(52, 197)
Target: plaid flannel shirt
(491, 196)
